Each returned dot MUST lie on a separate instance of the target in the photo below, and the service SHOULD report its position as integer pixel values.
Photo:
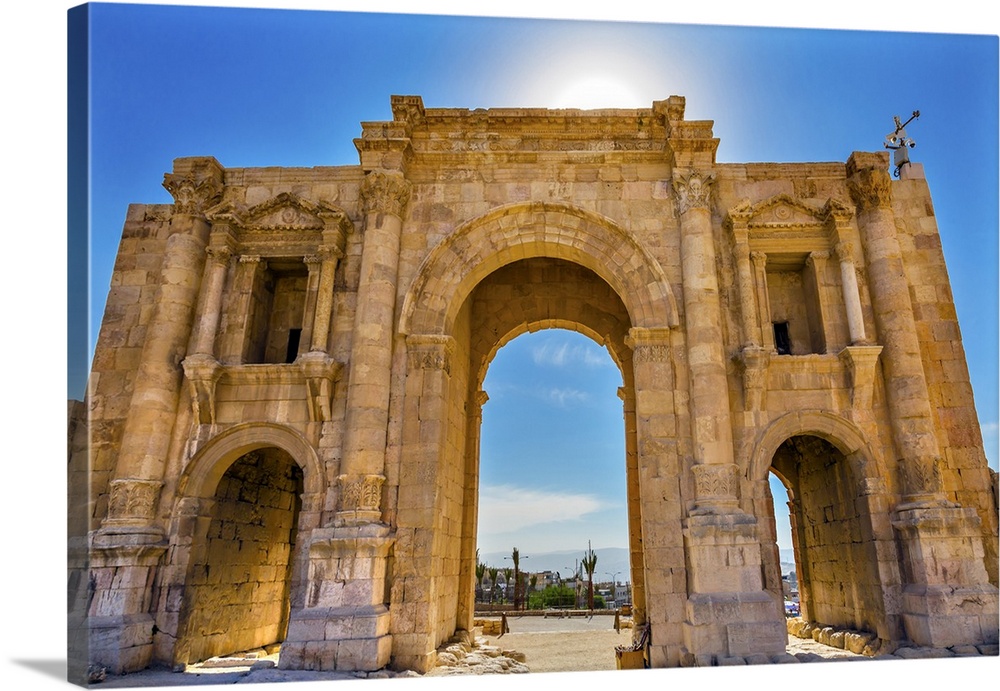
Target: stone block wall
(238, 589)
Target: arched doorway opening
(239, 582)
(552, 471)
(832, 538)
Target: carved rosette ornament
(193, 194)
(131, 501)
(386, 193)
(693, 190)
(715, 487)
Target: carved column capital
(360, 499)
(844, 251)
(195, 192)
(870, 188)
(693, 190)
(758, 258)
(385, 193)
(250, 259)
(132, 501)
(649, 344)
(219, 255)
(430, 351)
(716, 487)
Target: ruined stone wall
(238, 590)
(965, 473)
(131, 299)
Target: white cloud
(989, 427)
(563, 397)
(561, 354)
(506, 508)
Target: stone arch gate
(730, 295)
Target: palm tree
(493, 571)
(516, 558)
(480, 572)
(589, 564)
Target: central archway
(517, 269)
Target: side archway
(843, 434)
(524, 231)
(836, 499)
(201, 476)
(241, 519)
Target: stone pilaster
(470, 517)
(941, 543)
(658, 593)
(385, 197)
(711, 428)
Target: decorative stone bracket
(203, 373)
(754, 362)
(321, 372)
(861, 362)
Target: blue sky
(827, 104)
(258, 87)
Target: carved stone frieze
(387, 193)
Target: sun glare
(596, 92)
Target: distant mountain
(610, 560)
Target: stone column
(759, 260)
(816, 262)
(235, 345)
(128, 546)
(749, 315)
(852, 296)
(941, 543)
(201, 368)
(385, 196)
(329, 257)
(314, 265)
(728, 613)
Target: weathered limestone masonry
(281, 434)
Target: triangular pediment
(285, 211)
(778, 211)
